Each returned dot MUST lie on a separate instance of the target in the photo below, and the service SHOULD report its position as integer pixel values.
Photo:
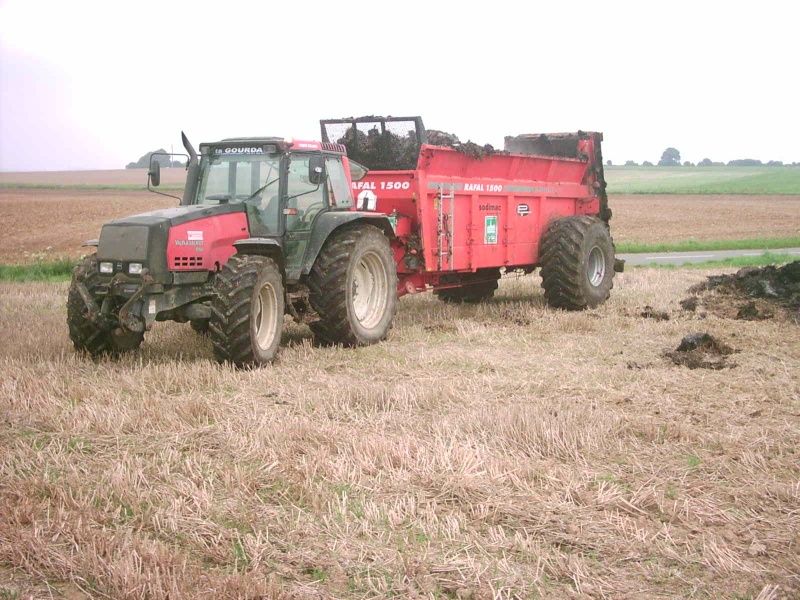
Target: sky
(95, 85)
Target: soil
(651, 313)
(702, 351)
(50, 224)
(689, 303)
(668, 218)
(752, 293)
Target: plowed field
(44, 224)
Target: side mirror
(316, 169)
(154, 174)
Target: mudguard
(326, 223)
(261, 246)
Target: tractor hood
(143, 238)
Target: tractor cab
(283, 185)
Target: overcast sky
(95, 85)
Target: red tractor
(268, 227)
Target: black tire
(247, 311)
(85, 335)
(577, 256)
(472, 293)
(199, 325)
(353, 286)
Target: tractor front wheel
(199, 326)
(353, 286)
(247, 311)
(577, 263)
(85, 334)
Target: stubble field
(496, 451)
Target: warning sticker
(490, 232)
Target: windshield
(232, 178)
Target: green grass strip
(693, 245)
(704, 180)
(60, 270)
(768, 258)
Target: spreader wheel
(85, 334)
(577, 263)
(353, 286)
(247, 311)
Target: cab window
(338, 190)
(304, 197)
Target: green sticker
(393, 221)
(490, 233)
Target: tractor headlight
(106, 267)
(135, 268)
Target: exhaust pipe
(189, 148)
(192, 172)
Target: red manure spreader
(334, 232)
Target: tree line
(164, 161)
(671, 157)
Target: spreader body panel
(456, 213)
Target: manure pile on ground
(752, 293)
(702, 351)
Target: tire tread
(562, 263)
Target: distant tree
(775, 163)
(688, 164)
(670, 158)
(647, 163)
(630, 163)
(144, 161)
(609, 163)
(706, 162)
(745, 162)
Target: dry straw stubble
(502, 450)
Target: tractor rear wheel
(85, 334)
(353, 286)
(480, 291)
(247, 311)
(577, 256)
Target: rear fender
(326, 223)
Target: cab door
(304, 201)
